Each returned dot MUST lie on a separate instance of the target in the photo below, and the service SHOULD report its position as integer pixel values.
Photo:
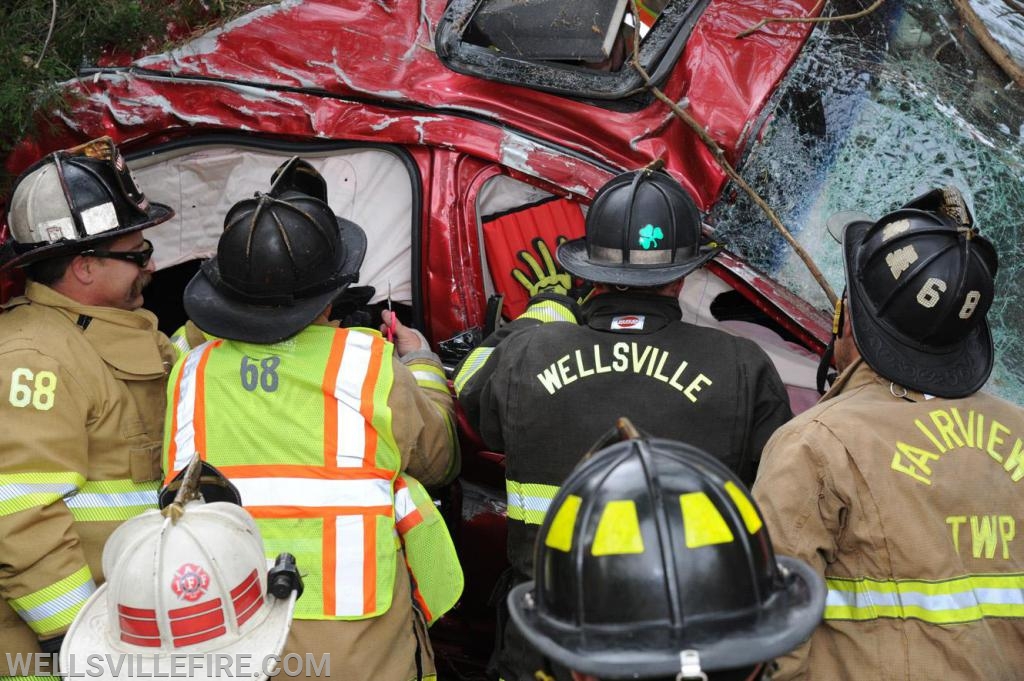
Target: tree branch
(995, 50)
(49, 33)
(810, 20)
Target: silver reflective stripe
(962, 599)
(113, 499)
(476, 359)
(935, 602)
(432, 379)
(180, 342)
(528, 503)
(549, 311)
(661, 256)
(101, 218)
(55, 606)
(11, 491)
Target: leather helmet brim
(224, 316)
(787, 621)
(574, 258)
(954, 371)
(20, 256)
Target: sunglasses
(140, 258)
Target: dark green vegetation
(45, 42)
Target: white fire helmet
(74, 198)
(193, 589)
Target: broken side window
(576, 49)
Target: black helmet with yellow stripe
(653, 561)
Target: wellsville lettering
(644, 360)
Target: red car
(455, 137)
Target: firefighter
(901, 486)
(83, 371)
(188, 592)
(544, 387)
(321, 429)
(654, 564)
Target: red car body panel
(328, 62)
(367, 71)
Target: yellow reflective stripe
(963, 599)
(22, 491)
(618, 531)
(112, 500)
(549, 311)
(529, 501)
(562, 527)
(429, 376)
(474, 360)
(750, 517)
(702, 523)
(52, 608)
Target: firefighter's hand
(406, 339)
(545, 277)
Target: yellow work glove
(548, 277)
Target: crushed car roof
(327, 69)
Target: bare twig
(811, 20)
(49, 33)
(995, 50)
(723, 162)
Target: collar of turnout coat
(613, 312)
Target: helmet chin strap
(825, 365)
(690, 669)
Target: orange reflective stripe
(366, 404)
(409, 521)
(329, 559)
(331, 402)
(298, 471)
(407, 516)
(369, 563)
(286, 512)
(172, 444)
(188, 435)
(200, 418)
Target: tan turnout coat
(913, 511)
(101, 418)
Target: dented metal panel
(328, 59)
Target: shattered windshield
(874, 112)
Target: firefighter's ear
(81, 270)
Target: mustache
(144, 279)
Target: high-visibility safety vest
(304, 431)
(429, 551)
